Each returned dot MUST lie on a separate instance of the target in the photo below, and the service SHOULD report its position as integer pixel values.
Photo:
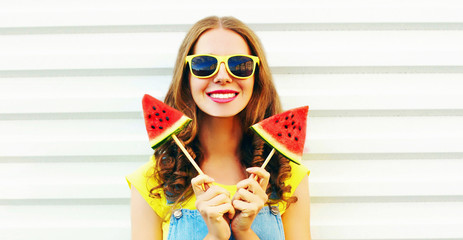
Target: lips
(222, 96)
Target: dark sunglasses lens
(203, 65)
(241, 66)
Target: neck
(220, 136)
(220, 139)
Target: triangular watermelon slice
(285, 132)
(161, 120)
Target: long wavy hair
(173, 170)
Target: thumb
(198, 183)
(231, 213)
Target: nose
(222, 75)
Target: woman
(222, 81)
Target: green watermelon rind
(165, 135)
(296, 158)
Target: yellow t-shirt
(141, 179)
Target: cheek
(193, 84)
(197, 85)
(249, 86)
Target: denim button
(178, 213)
(274, 210)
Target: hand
(249, 199)
(213, 203)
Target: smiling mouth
(222, 95)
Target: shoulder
(143, 180)
(298, 173)
(143, 176)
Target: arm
(146, 224)
(296, 218)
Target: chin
(222, 113)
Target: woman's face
(221, 95)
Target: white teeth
(222, 95)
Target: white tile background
(383, 79)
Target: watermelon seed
(286, 126)
(279, 134)
(294, 127)
(293, 123)
(149, 115)
(292, 115)
(296, 138)
(160, 119)
(167, 118)
(289, 134)
(157, 114)
(276, 121)
(299, 128)
(160, 127)
(152, 127)
(286, 118)
(163, 111)
(154, 108)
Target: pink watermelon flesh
(285, 132)
(161, 120)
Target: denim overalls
(189, 224)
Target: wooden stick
(180, 145)
(264, 164)
(268, 158)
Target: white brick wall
(383, 79)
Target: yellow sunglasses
(206, 65)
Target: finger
(247, 196)
(246, 208)
(212, 192)
(219, 200)
(198, 182)
(262, 175)
(214, 196)
(251, 185)
(253, 176)
(226, 208)
(218, 211)
(231, 212)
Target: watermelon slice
(285, 132)
(161, 120)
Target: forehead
(220, 41)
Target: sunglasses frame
(221, 59)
